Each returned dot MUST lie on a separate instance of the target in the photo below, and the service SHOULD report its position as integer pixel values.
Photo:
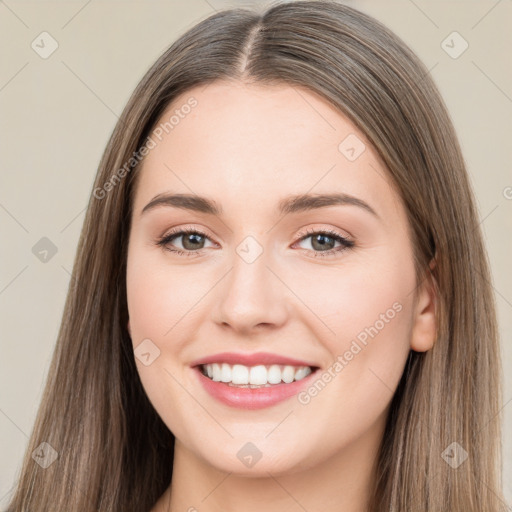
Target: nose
(250, 297)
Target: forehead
(250, 145)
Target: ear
(424, 324)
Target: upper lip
(257, 358)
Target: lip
(252, 398)
(254, 359)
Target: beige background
(57, 114)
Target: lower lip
(252, 398)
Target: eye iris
(320, 239)
(189, 237)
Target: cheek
(369, 311)
(160, 303)
(164, 302)
(371, 316)
(158, 296)
(358, 298)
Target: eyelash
(346, 243)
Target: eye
(192, 241)
(323, 242)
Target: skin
(247, 147)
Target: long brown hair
(114, 452)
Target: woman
(280, 299)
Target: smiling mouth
(260, 376)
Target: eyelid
(342, 233)
(182, 231)
(344, 241)
(347, 242)
(302, 233)
(188, 228)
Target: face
(328, 285)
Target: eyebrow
(290, 204)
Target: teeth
(225, 373)
(239, 373)
(254, 376)
(257, 375)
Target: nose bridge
(251, 294)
